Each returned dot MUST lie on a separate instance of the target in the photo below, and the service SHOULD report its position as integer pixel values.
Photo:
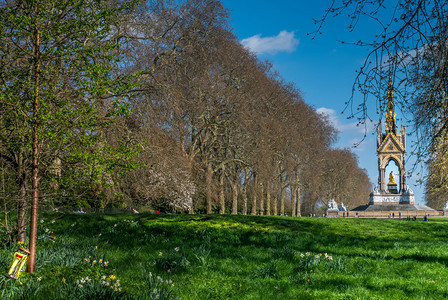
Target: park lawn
(233, 257)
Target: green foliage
(64, 90)
(19, 289)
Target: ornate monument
(332, 211)
(393, 195)
(391, 146)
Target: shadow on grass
(256, 247)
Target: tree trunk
(268, 198)
(261, 199)
(222, 202)
(253, 210)
(244, 208)
(293, 204)
(298, 196)
(282, 201)
(275, 204)
(31, 267)
(244, 190)
(235, 198)
(208, 183)
(275, 199)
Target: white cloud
(284, 41)
(350, 134)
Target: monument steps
(398, 207)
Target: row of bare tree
(205, 126)
(224, 132)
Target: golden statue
(391, 178)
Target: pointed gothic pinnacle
(390, 109)
(390, 90)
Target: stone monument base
(384, 201)
(332, 213)
(396, 198)
(391, 207)
(391, 199)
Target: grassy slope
(249, 257)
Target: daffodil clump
(158, 288)
(108, 287)
(172, 261)
(96, 259)
(82, 281)
(111, 282)
(310, 265)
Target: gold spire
(390, 112)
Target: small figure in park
(81, 211)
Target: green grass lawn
(233, 257)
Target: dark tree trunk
(253, 211)
(268, 198)
(208, 182)
(222, 202)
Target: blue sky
(323, 68)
